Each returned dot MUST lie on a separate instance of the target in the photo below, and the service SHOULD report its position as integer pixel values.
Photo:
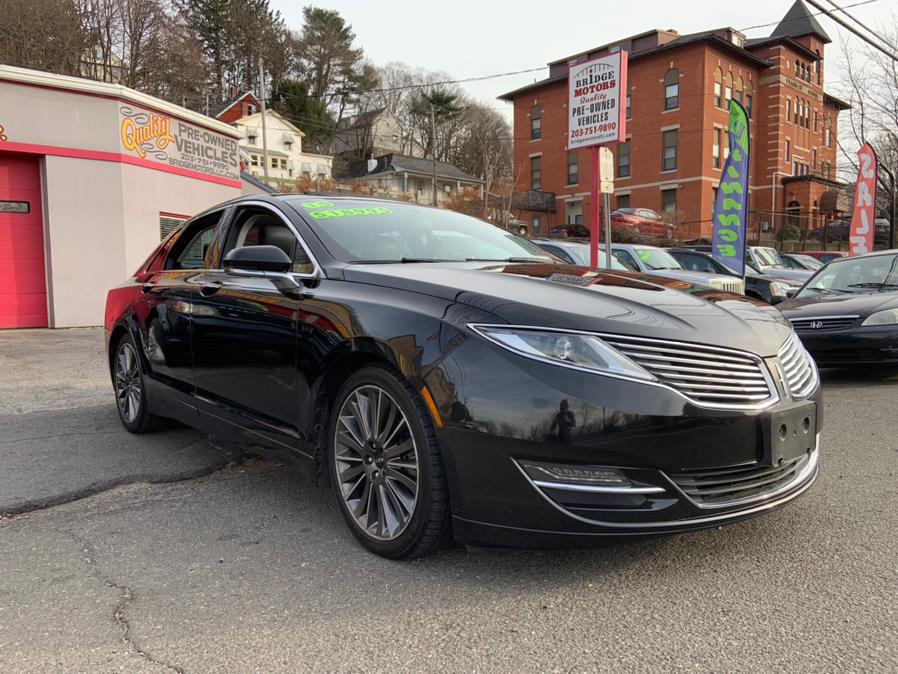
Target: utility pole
(433, 149)
(264, 132)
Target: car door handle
(208, 289)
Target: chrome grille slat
(707, 375)
(815, 323)
(720, 487)
(798, 369)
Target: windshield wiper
(404, 260)
(520, 260)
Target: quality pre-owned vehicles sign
(159, 138)
(595, 113)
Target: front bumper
(854, 346)
(514, 411)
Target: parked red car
(825, 255)
(644, 220)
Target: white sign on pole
(596, 93)
(606, 171)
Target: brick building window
(629, 101)
(536, 122)
(788, 109)
(815, 121)
(672, 89)
(535, 222)
(740, 87)
(715, 148)
(573, 168)
(623, 160)
(669, 150)
(669, 202)
(827, 132)
(788, 151)
(718, 88)
(623, 201)
(728, 87)
(536, 174)
(814, 160)
(749, 91)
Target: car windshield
(385, 232)
(657, 259)
(580, 252)
(876, 273)
(769, 257)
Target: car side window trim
(317, 270)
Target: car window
(258, 226)
(769, 256)
(626, 259)
(191, 247)
(695, 263)
(384, 232)
(558, 252)
(657, 259)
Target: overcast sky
(470, 38)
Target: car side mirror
(792, 292)
(258, 258)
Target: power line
(863, 25)
(852, 29)
(776, 23)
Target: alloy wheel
(376, 462)
(127, 383)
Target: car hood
(799, 275)
(854, 304)
(577, 298)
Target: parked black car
(450, 379)
(766, 287)
(847, 314)
(838, 231)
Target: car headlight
(885, 317)
(569, 349)
(778, 289)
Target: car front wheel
(386, 467)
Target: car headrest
(278, 235)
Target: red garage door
(23, 284)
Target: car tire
(131, 399)
(386, 468)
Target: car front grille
(823, 323)
(729, 285)
(799, 371)
(732, 485)
(707, 375)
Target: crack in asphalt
(126, 597)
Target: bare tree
(41, 34)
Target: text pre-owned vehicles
(847, 314)
(450, 379)
(770, 289)
(658, 262)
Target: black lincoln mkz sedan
(450, 380)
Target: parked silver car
(657, 261)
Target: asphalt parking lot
(164, 553)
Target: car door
(244, 335)
(163, 310)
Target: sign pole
(594, 209)
(606, 207)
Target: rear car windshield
(769, 257)
(655, 258)
(384, 232)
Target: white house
(286, 160)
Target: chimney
(233, 91)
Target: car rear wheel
(386, 467)
(130, 392)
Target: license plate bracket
(789, 432)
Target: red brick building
(678, 93)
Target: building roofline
(792, 43)
(829, 99)
(608, 45)
(79, 85)
(716, 40)
(235, 101)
